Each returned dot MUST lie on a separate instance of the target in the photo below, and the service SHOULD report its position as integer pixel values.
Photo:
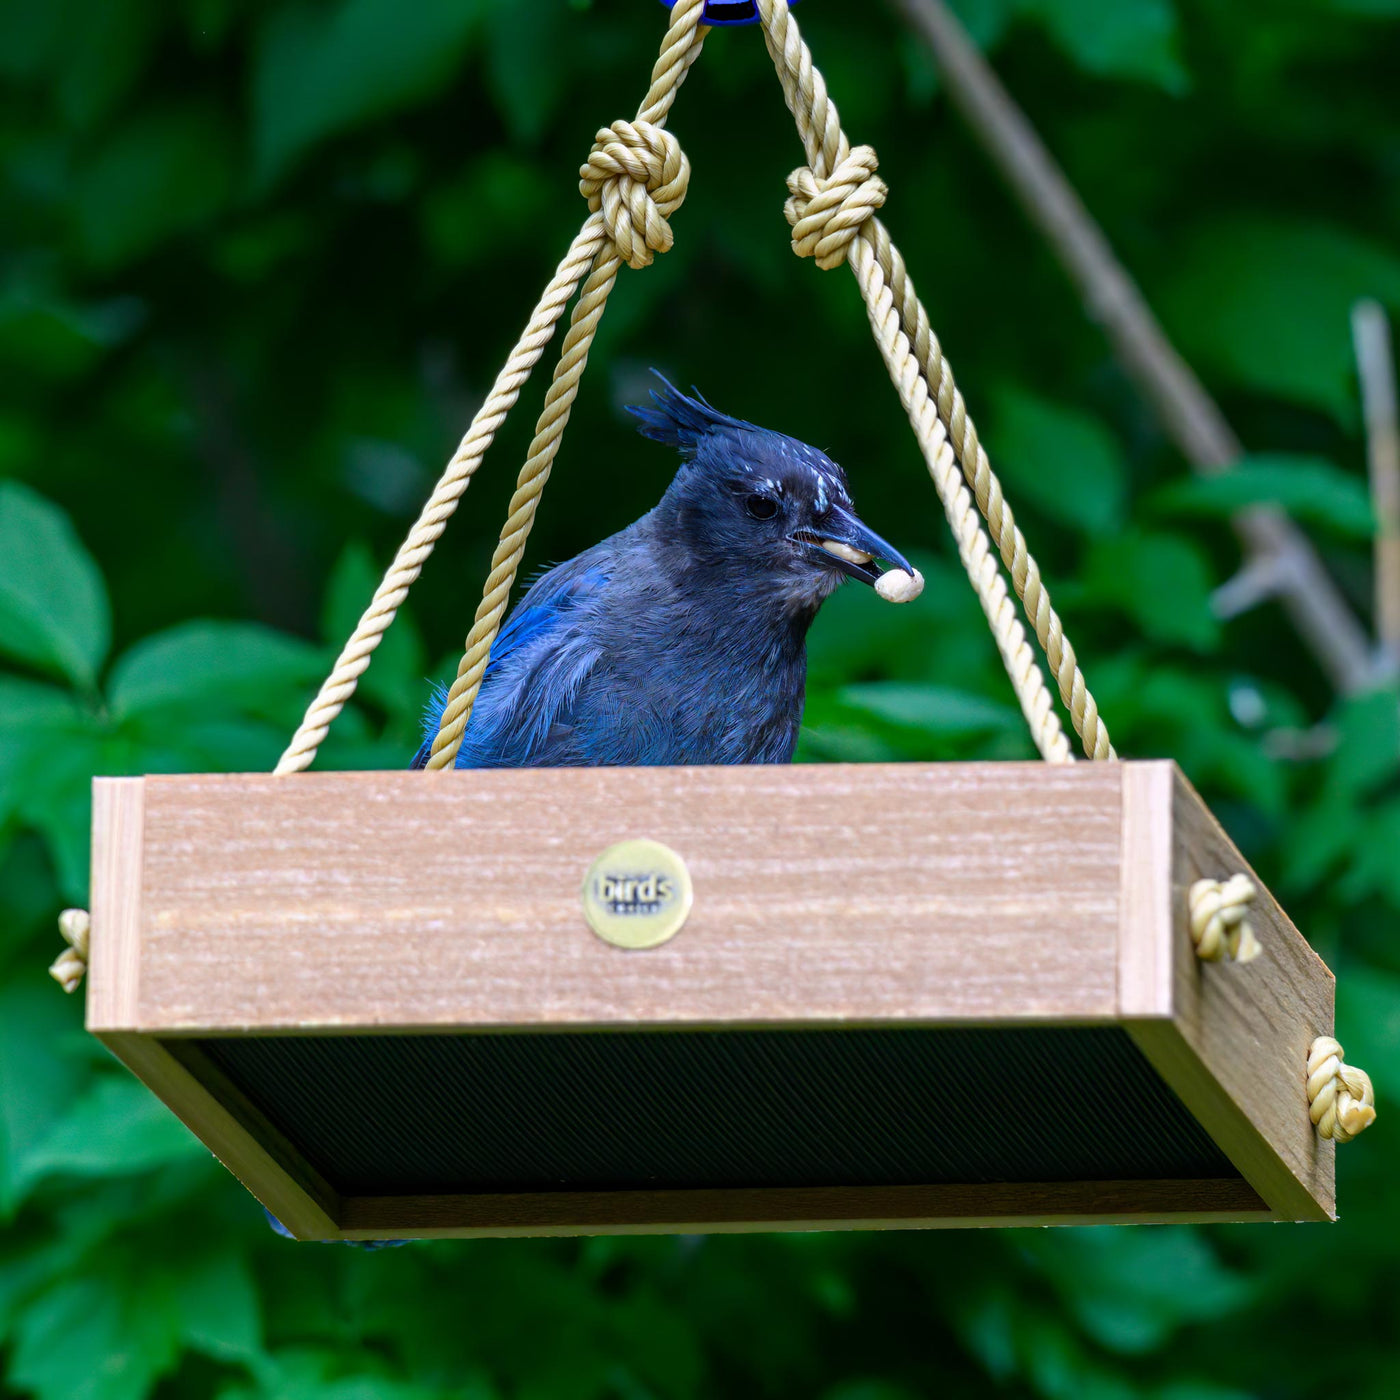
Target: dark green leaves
(1265, 303)
(218, 667)
(164, 173)
(258, 266)
(322, 69)
(1311, 490)
(54, 613)
(1161, 581)
(1063, 462)
(1118, 38)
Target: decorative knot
(637, 175)
(827, 215)
(71, 963)
(1219, 926)
(1341, 1101)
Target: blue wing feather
(535, 634)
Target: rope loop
(1220, 926)
(1341, 1099)
(637, 175)
(826, 216)
(71, 963)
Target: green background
(258, 264)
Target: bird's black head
(760, 506)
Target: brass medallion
(637, 894)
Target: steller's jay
(681, 639)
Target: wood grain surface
(801, 1208)
(1248, 1028)
(823, 894)
(974, 894)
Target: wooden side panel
(1145, 947)
(823, 894)
(1237, 1045)
(802, 1208)
(236, 1133)
(118, 867)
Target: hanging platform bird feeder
(611, 1000)
(911, 994)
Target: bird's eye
(761, 507)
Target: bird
(682, 638)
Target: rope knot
(826, 215)
(71, 963)
(1341, 1101)
(1220, 927)
(637, 175)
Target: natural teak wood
(824, 896)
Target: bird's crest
(681, 421)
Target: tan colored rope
(70, 965)
(679, 49)
(636, 176)
(1219, 922)
(831, 209)
(1341, 1099)
(826, 223)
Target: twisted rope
(1219, 922)
(832, 211)
(826, 223)
(634, 178)
(70, 965)
(679, 49)
(1341, 1099)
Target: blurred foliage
(258, 263)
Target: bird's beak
(853, 546)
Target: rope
(826, 223)
(70, 965)
(679, 49)
(832, 213)
(1341, 1099)
(1219, 924)
(635, 177)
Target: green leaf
(167, 171)
(528, 56)
(117, 1128)
(1308, 488)
(37, 1080)
(1368, 747)
(1133, 1289)
(88, 1338)
(1063, 462)
(323, 69)
(1266, 304)
(219, 1301)
(214, 668)
(33, 719)
(108, 1330)
(1118, 38)
(933, 709)
(53, 603)
(1161, 581)
(396, 675)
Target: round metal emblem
(637, 894)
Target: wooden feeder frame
(990, 895)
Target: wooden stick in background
(1375, 365)
(1280, 561)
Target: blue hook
(729, 12)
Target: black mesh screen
(390, 1115)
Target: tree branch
(1189, 416)
(1376, 368)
